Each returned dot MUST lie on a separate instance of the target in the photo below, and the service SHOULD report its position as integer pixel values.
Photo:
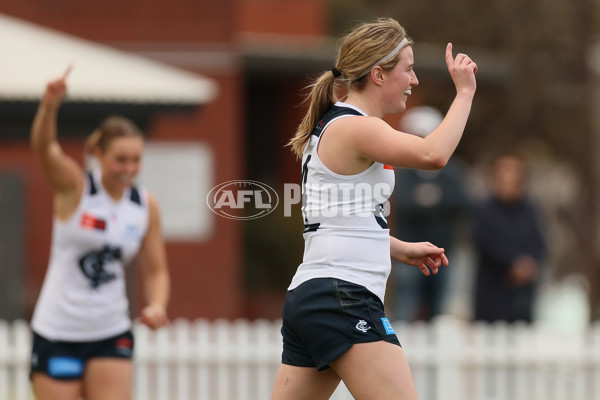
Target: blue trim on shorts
(387, 326)
(65, 367)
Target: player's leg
(306, 313)
(377, 371)
(374, 367)
(47, 388)
(56, 369)
(108, 379)
(304, 383)
(109, 369)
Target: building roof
(32, 55)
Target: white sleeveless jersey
(346, 233)
(83, 297)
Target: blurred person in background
(509, 245)
(426, 206)
(334, 324)
(82, 339)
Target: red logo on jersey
(89, 221)
(387, 166)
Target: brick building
(256, 51)
(259, 54)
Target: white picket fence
(450, 360)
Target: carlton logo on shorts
(363, 326)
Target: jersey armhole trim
(318, 158)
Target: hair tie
(336, 72)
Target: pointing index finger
(449, 57)
(67, 72)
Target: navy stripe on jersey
(135, 196)
(311, 227)
(93, 189)
(382, 222)
(333, 113)
(380, 216)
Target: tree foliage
(549, 97)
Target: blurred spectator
(426, 207)
(509, 246)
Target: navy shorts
(324, 317)
(66, 360)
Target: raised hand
(56, 90)
(462, 70)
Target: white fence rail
(450, 360)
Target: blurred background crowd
(217, 86)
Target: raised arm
(61, 171)
(373, 139)
(157, 281)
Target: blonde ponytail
(321, 97)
